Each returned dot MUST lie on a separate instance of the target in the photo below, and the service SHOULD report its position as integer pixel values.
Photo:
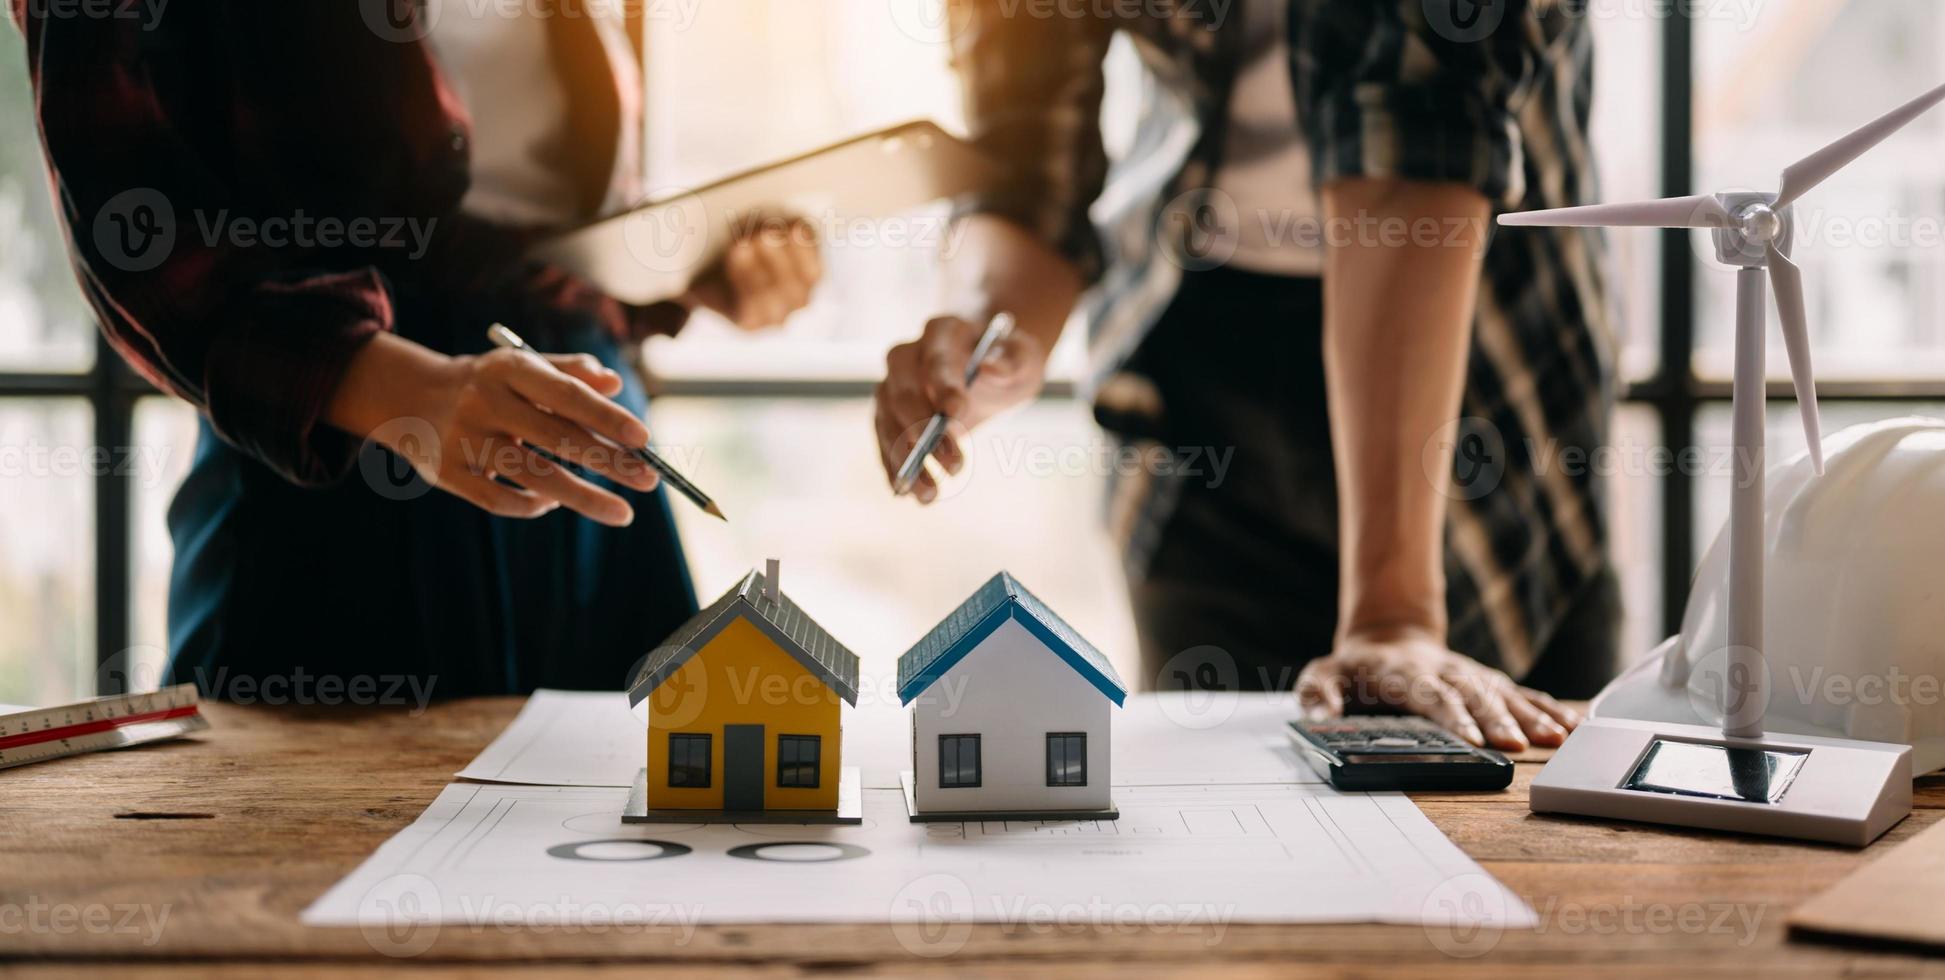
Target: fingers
(949, 453)
(896, 437)
(1320, 689)
(1484, 694)
(497, 498)
(943, 350)
(1442, 703)
(499, 475)
(564, 440)
(781, 251)
(752, 282)
(589, 369)
(900, 413)
(770, 272)
(805, 257)
(571, 398)
(1008, 360)
(1539, 727)
(1566, 717)
(545, 478)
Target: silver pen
(928, 441)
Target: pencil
(502, 337)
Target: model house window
(1067, 759)
(798, 757)
(958, 761)
(689, 761)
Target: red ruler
(40, 734)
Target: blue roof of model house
(1001, 599)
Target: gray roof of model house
(780, 619)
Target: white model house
(1011, 712)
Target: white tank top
(499, 63)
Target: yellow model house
(743, 707)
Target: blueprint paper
(501, 856)
(591, 738)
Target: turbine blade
(1700, 211)
(1807, 173)
(1787, 282)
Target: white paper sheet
(511, 856)
(590, 738)
(1221, 822)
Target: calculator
(1397, 752)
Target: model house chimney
(772, 580)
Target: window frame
(978, 760)
(1068, 741)
(789, 769)
(690, 740)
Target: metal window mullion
(113, 401)
(1675, 379)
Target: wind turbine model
(1839, 790)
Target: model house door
(742, 767)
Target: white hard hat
(1854, 602)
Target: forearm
(1398, 312)
(997, 265)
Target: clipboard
(654, 251)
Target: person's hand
(765, 275)
(1415, 672)
(493, 422)
(927, 376)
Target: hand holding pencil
(955, 376)
(506, 339)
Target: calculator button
(1394, 742)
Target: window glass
(1067, 759)
(44, 324)
(1634, 473)
(1626, 134)
(689, 761)
(47, 588)
(958, 761)
(165, 445)
(1777, 81)
(797, 760)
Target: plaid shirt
(1404, 89)
(178, 148)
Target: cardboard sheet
(1897, 896)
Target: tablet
(651, 252)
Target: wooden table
(231, 834)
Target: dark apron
(380, 583)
